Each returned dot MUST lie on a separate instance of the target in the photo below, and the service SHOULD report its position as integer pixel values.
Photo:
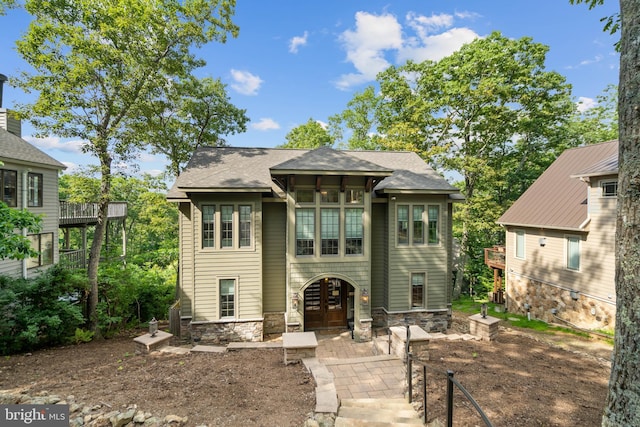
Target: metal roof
(558, 198)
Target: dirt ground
(522, 379)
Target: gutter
(24, 230)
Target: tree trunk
(98, 239)
(623, 401)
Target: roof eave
(329, 172)
(580, 228)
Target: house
(560, 241)
(29, 180)
(283, 240)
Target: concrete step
(376, 413)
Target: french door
(325, 304)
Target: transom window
(9, 187)
(329, 195)
(305, 195)
(34, 189)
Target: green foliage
(39, 312)
(82, 335)
(14, 245)
(309, 135)
(132, 295)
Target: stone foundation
(485, 328)
(363, 332)
(274, 323)
(418, 342)
(430, 321)
(580, 310)
(222, 332)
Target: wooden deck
(83, 214)
(495, 257)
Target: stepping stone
(208, 349)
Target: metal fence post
(409, 377)
(449, 398)
(424, 393)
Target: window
(403, 224)
(329, 231)
(417, 290)
(433, 215)
(330, 195)
(227, 297)
(573, 253)
(245, 226)
(418, 228)
(354, 196)
(208, 226)
(43, 244)
(520, 244)
(305, 195)
(305, 230)
(8, 185)
(35, 189)
(609, 188)
(226, 220)
(354, 231)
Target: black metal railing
(451, 382)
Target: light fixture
(574, 295)
(483, 310)
(294, 301)
(542, 241)
(153, 327)
(364, 296)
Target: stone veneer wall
(430, 321)
(363, 334)
(585, 312)
(220, 332)
(274, 323)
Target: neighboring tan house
(29, 180)
(281, 240)
(560, 240)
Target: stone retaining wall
(223, 332)
(542, 298)
(430, 321)
(274, 323)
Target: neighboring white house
(29, 180)
(560, 240)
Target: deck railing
(78, 213)
(76, 259)
(495, 257)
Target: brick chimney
(8, 121)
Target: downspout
(24, 206)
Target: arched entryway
(328, 304)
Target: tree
(193, 113)
(623, 400)
(98, 64)
(309, 135)
(359, 120)
(482, 113)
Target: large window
(226, 221)
(573, 253)
(520, 244)
(609, 188)
(227, 298)
(305, 231)
(9, 188)
(208, 226)
(417, 290)
(418, 225)
(35, 189)
(43, 243)
(330, 231)
(403, 224)
(354, 231)
(245, 226)
(433, 217)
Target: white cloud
(55, 143)
(265, 124)
(423, 37)
(245, 82)
(298, 41)
(585, 103)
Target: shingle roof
(250, 169)
(18, 150)
(558, 198)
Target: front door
(325, 304)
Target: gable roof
(235, 169)
(17, 150)
(558, 198)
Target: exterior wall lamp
(364, 296)
(294, 301)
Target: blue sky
(295, 60)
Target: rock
(174, 419)
(139, 417)
(122, 418)
(152, 422)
